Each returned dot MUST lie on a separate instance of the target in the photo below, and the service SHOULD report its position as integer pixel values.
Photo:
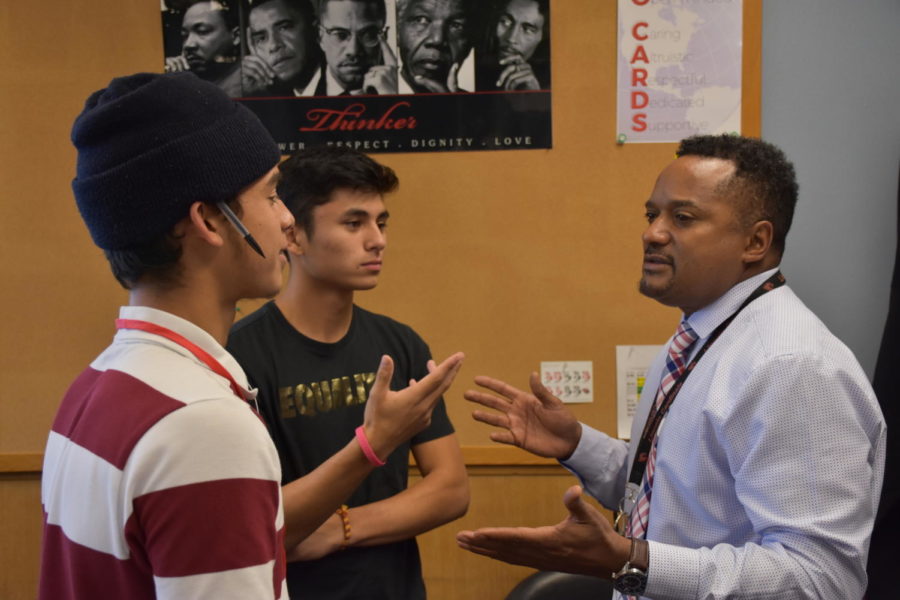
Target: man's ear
(759, 241)
(297, 240)
(318, 29)
(205, 222)
(236, 36)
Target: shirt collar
(310, 89)
(705, 320)
(184, 328)
(402, 86)
(333, 87)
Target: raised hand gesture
(538, 422)
(256, 75)
(176, 64)
(382, 79)
(441, 87)
(584, 542)
(391, 418)
(517, 74)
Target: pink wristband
(366, 448)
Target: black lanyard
(654, 419)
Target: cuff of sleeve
(597, 462)
(583, 459)
(674, 572)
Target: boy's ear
(204, 221)
(297, 240)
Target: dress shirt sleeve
(600, 463)
(804, 443)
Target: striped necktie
(676, 362)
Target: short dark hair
(764, 183)
(229, 12)
(158, 259)
(472, 9)
(543, 7)
(310, 176)
(382, 10)
(498, 8)
(304, 7)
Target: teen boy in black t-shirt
(313, 354)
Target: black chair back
(552, 585)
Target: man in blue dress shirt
(766, 470)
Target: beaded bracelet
(344, 513)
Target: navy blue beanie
(150, 145)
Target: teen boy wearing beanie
(159, 479)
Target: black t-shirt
(312, 396)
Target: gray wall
(831, 101)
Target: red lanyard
(185, 343)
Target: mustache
(654, 255)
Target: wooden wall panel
(20, 534)
(501, 496)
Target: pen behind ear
(229, 214)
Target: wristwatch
(631, 579)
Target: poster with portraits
(375, 75)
